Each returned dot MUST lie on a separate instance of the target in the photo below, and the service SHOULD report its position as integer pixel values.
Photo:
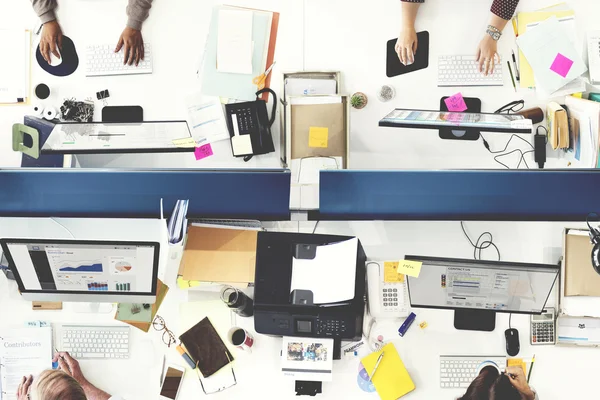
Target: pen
(530, 368)
(55, 363)
(511, 75)
(376, 366)
(162, 373)
(514, 24)
(515, 65)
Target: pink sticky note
(203, 151)
(456, 103)
(561, 65)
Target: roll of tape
(37, 110)
(49, 113)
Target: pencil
(530, 368)
(511, 75)
(514, 24)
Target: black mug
(237, 301)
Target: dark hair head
(491, 385)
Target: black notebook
(206, 348)
(393, 65)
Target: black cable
(315, 228)
(499, 152)
(477, 246)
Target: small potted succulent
(358, 100)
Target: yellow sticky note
(410, 268)
(318, 137)
(578, 95)
(185, 142)
(400, 277)
(390, 272)
(517, 362)
(423, 325)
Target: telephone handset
(386, 299)
(250, 127)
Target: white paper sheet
(541, 44)
(307, 359)
(206, 118)
(234, 42)
(14, 70)
(310, 87)
(23, 352)
(331, 275)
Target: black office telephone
(250, 127)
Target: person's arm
(51, 39)
(131, 39)
(502, 11)
(44, 9)
(406, 45)
(137, 13)
(71, 366)
(516, 375)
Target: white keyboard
(459, 371)
(93, 342)
(464, 71)
(101, 60)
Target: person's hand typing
(406, 46)
(51, 40)
(23, 389)
(132, 43)
(486, 55)
(517, 378)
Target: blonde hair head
(56, 385)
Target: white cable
(64, 227)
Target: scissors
(260, 80)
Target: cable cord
(480, 244)
(509, 321)
(501, 153)
(64, 227)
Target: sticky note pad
(203, 151)
(561, 65)
(410, 268)
(318, 137)
(423, 325)
(517, 362)
(456, 103)
(390, 272)
(185, 142)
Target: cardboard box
(219, 255)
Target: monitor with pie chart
(77, 270)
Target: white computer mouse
(55, 61)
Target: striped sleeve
(413, 1)
(505, 9)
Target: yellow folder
(391, 380)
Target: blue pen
(407, 323)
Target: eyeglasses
(512, 107)
(159, 324)
(224, 387)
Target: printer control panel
(331, 327)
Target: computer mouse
(55, 61)
(512, 342)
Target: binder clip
(103, 95)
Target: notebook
(391, 380)
(206, 348)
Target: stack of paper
(551, 54)
(240, 46)
(178, 222)
(15, 45)
(307, 359)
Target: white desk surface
(349, 36)
(559, 372)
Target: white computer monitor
(477, 289)
(84, 270)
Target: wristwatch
(493, 32)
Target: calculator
(543, 328)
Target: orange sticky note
(410, 268)
(318, 137)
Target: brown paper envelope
(580, 277)
(331, 116)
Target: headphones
(488, 363)
(595, 239)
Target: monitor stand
(460, 133)
(93, 308)
(475, 320)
